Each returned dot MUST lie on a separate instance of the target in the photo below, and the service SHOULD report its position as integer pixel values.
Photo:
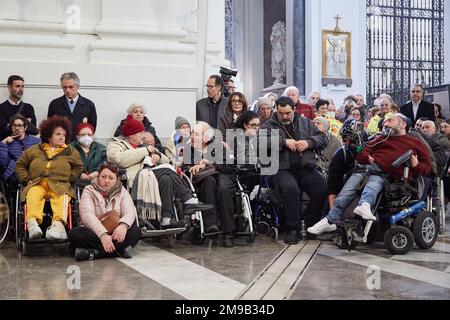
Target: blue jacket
(10, 153)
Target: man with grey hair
(303, 109)
(417, 107)
(72, 105)
(313, 98)
(377, 156)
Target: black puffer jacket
(301, 129)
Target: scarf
(109, 193)
(145, 192)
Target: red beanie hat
(132, 126)
(83, 125)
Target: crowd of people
(308, 139)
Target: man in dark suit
(417, 108)
(210, 109)
(72, 105)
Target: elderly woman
(48, 170)
(92, 240)
(217, 188)
(265, 110)
(12, 147)
(129, 153)
(237, 104)
(93, 154)
(333, 142)
(176, 144)
(137, 111)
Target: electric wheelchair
(406, 212)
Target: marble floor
(263, 270)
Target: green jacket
(60, 171)
(95, 157)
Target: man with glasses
(212, 108)
(72, 105)
(417, 107)
(13, 146)
(15, 105)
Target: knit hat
(83, 125)
(179, 121)
(266, 101)
(132, 126)
(324, 122)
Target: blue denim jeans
(348, 193)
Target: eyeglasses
(18, 126)
(209, 86)
(236, 101)
(254, 125)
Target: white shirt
(14, 103)
(75, 100)
(415, 109)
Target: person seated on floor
(378, 155)
(129, 153)
(12, 147)
(137, 111)
(91, 239)
(215, 184)
(179, 139)
(48, 170)
(92, 153)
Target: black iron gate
(405, 45)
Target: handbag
(110, 220)
(208, 171)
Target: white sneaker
(365, 211)
(56, 231)
(321, 227)
(34, 231)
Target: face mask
(86, 140)
(331, 114)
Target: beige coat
(120, 152)
(92, 206)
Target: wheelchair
(23, 242)
(5, 216)
(151, 229)
(243, 215)
(406, 214)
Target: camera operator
(210, 109)
(229, 86)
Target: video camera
(226, 75)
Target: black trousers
(82, 237)
(171, 186)
(291, 185)
(219, 191)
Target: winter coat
(94, 159)
(60, 170)
(92, 206)
(10, 153)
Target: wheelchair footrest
(353, 224)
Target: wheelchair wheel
(24, 247)
(274, 234)
(195, 237)
(425, 230)
(4, 218)
(171, 239)
(262, 228)
(398, 240)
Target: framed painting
(336, 54)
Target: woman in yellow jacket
(48, 170)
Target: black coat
(209, 112)
(7, 110)
(148, 128)
(84, 108)
(426, 110)
(303, 129)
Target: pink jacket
(92, 206)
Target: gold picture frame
(336, 55)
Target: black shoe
(194, 207)
(174, 225)
(127, 253)
(227, 241)
(82, 254)
(291, 237)
(212, 229)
